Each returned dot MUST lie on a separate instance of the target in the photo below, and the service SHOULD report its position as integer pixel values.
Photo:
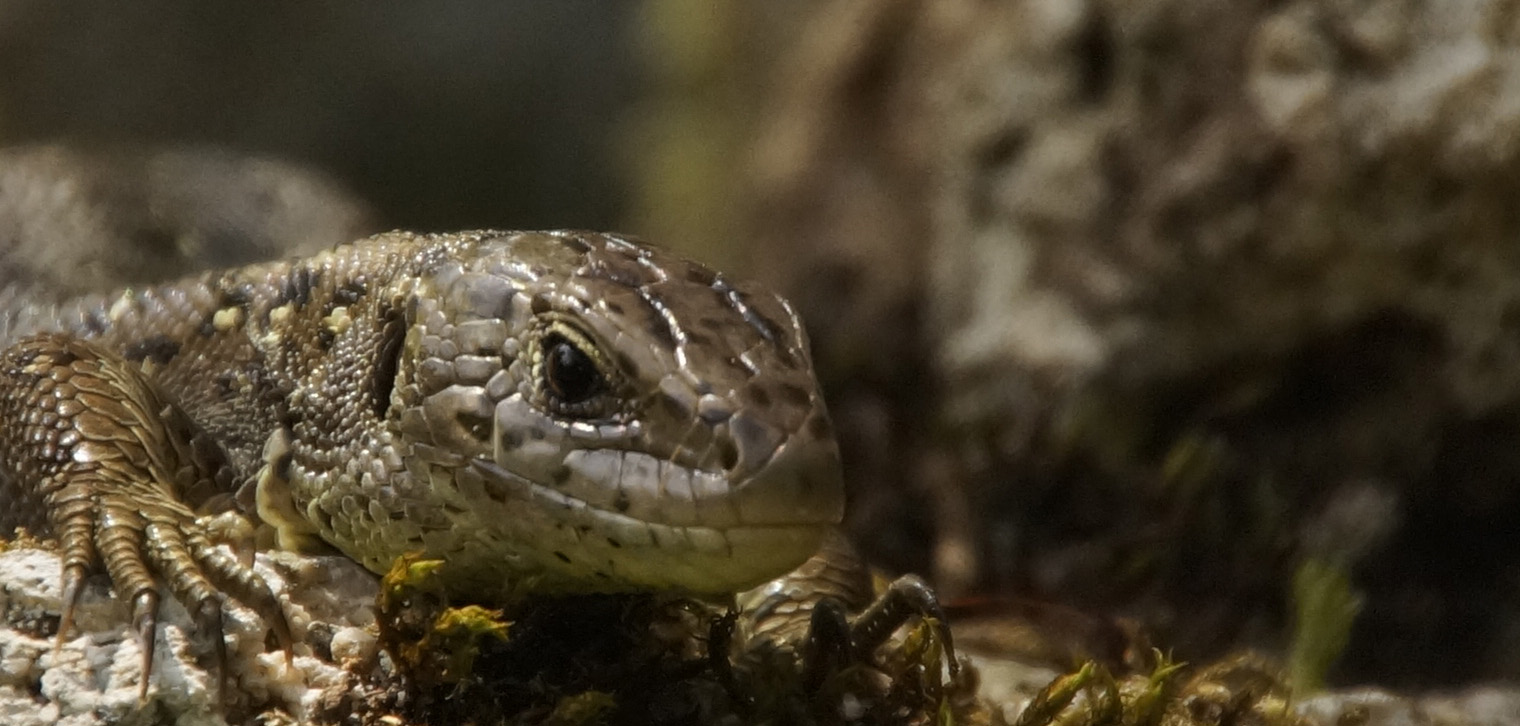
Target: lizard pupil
(571, 375)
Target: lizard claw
(73, 587)
(145, 622)
(907, 597)
(110, 461)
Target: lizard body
(577, 411)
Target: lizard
(580, 412)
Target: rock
(1478, 706)
(76, 220)
(1127, 302)
(94, 677)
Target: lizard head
(604, 415)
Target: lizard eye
(571, 377)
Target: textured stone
(94, 677)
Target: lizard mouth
(621, 520)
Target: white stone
(94, 677)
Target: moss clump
(1235, 690)
(626, 659)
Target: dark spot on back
(698, 339)
(758, 395)
(207, 327)
(159, 349)
(621, 503)
(560, 475)
(540, 305)
(575, 244)
(511, 439)
(232, 293)
(325, 338)
(349, 292)
(614, 543)
(562, 557)
(613, 307)
(298, 286)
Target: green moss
(582, 709)
(1238, 689)
(1325, 606)
(433, 643)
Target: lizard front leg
(828, 615)
(93, 456)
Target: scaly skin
(391, 397)
(545, 412)
(577, 411)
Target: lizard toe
(231, 576)
(73, 587)
(145, 622)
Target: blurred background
(1199, 316)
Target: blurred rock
(83, 220)
(1479, 706)
(1179, 272)
(837, 216)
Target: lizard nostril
(755, 443)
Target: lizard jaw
(571, 545)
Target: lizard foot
(86, 432)
(826, 617)
(835, 640)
